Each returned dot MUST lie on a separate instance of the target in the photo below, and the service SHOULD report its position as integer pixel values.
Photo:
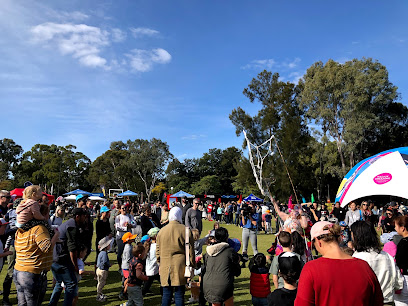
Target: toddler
(103, 266)
(133, 284)
(81, 269)
(152, 267)
(29, 208)
(268, 221)
(259, 284)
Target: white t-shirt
(152, 267)
(120, 224)
(264, 209)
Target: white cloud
(293, 64)
(295, 76)
(118, 35)
(193, 137)
(67, 16)
(138, 32)
(143, 60)
(260, 64)
(81, 41)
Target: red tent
(18, 192)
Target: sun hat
(153, 231)
(3, 222)
(104, 209)
(128, 236)
(104, 243)
(318, 229)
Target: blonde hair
(30, 191)
(334, 233)
(196, 234)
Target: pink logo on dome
(382, 178)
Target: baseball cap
(104, 209)
(79, 197)
(289, 262)
(145, 238)
(3, 222)
(343, 223)
(128, 236)
(318, 229)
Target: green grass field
(87, 286)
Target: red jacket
(260, 286)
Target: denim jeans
(67, 275)
(178, 295)
(30, 287)
(256, 301)
(135, 296)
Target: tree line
(335, 116)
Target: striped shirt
(33, 250)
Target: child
(127, 239)
(29, 208)
(268, 220)
(133, 284)
(285, 240)
(289, 270)
(103, 266)
(81, 268)
(259, 285)
(345, 237)
(152, 267)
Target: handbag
(188, 271)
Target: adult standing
(249, 230)
(102, 227)
(221, 264)
(184, 205)
(339, 212)
(367, 247)
(165, 216)
(324, 281)
(4, 201)
(34, 250)
(401, 258)
(123, 223)
(353, 214)
(148, 220)
(170, 253)
(65, 265)
(157, 210)
(115, 211)
(194, 217)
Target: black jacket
(146, 223)
(221, 264)
(184, 210)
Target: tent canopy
(96, 198)
(127, 193)
(252, 198)
(181, 194)
(385, 173)
(77, 191)
(228, 196)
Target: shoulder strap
(187, 246)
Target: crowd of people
(353, 255)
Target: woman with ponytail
(336, 278)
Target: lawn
(87, 286)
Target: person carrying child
(103, 266)
(289, 270)
(133, 284)
(259, 285)
(28, 211)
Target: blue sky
(90, 72)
